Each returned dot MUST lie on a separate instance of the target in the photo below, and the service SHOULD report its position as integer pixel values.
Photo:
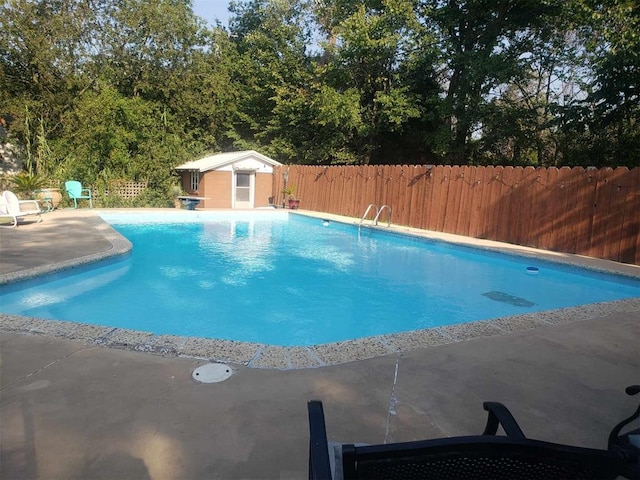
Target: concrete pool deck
(71, 408)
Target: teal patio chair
(76, 192)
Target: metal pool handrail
(366, 212)
(375, 220)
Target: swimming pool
(288, 280)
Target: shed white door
(243, 189)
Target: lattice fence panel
(127, 189)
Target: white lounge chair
(11, 207)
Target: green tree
(108, 90)
(122, 89)
(42, 48)
(483, 44)
(603, 128)
(520, 123)
(367, 45)
(270, 68)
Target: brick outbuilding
(230, 180)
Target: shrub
(26, 184)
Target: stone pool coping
(257, 355)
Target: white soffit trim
(221, 160)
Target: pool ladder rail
(377, 215)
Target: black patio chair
(628, 444)
(487, 456)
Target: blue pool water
(291, 280)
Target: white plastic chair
(11, 207)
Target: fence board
(630, 242)
(601, 209)
(356, 189)
(392, 175)
(560, 221)
(549, 185)
(425, 197)
(464, 209)
(478, 229)
(351, 190)
(395, 201)
(504, 188)
(444, 179)
(568, 187)
(585, 198)
(615, 217)
(515, 202)
(328, 181)
(514, 197)
(373, 186)
(382, 185)
(495, 198)
(453, 200)
(405, 195)
(523, 219)
(371, 176)
(428, 199)
(537, 205)
(462, 214)
(413, 178)
(576, 210)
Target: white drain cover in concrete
(212, 373)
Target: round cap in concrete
(212, 373)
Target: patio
(71, 408)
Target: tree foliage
(111, 90)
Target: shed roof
(218, 160)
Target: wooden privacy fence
(572, 210)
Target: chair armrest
(88, 190)
(613, 436)
(27, 202)
(499, 415)
(319, 465)
(29, 205)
